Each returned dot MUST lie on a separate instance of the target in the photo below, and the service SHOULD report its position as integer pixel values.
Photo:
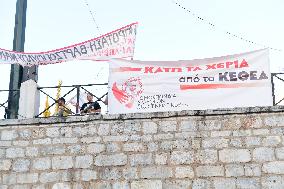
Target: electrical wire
(227, 32)
(93, 16)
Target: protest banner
(241, 80)
(116, 44)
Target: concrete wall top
(135, 116)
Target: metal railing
(4, 105)
(72, 88)
(276, 80)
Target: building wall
(224, 149)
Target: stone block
(224, 183)
(210, 171)
(27, 178)
(84, 161)
(174, 145)
(52, 150)
(149, 127)
(184, 172)
(260, 132)
(88, 175)
(65, 140)
(209, 125)
(234, 170)
(21, 165)
(119, 138)
(220, 133)
(103, 129)
(62, 162)
(9, 179)
(113, 147)
(152, 146)
(272, 182)
(76, 149)
(167, 126)
(271, 141)
(177, 184)
(252, 170)
(15, 152)
(160, 172)
(215, 142)
(130, 173)
(248, 183)
(52, 132)
(131, 127)
(44, 141)
(161, 159)
(25, 134)
(201, 184)
(49, 177)
(5, 164)
(140, 159)
(242, 132)
(279, 153)
(207, 156)
(133, 147)
(9, 134)
(276, 167)
(163, 136)
(235, 142)
(80, 131)
(234, 155)
(252, 141)
(111, 160)
(95, 148)
(65, 131)
(110, 173)
(263, 154)
(93, 139)
(42, 163)
(188, 125)
(120, 185)
(181, 157)
(146, 184)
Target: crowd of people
(89, 107)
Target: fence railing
(276, 80)
(4, 104)
(77, 89)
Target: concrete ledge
(86, 118)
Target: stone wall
(222, 149)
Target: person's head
(61, 101)
(89, 97)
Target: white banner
(241, 80)
(116, 44)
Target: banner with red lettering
(116, 44)
(241, 80)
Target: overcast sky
(165, 32)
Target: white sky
(165, 32)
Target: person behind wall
(62, 110)
(90, 106)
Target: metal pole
(78, 98)
(16, 74)
(273, 93)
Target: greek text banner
(116, 44)
(241, 80)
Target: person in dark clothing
(90, 106)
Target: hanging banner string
(227, 32)
(93, 16)
(117, 44)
